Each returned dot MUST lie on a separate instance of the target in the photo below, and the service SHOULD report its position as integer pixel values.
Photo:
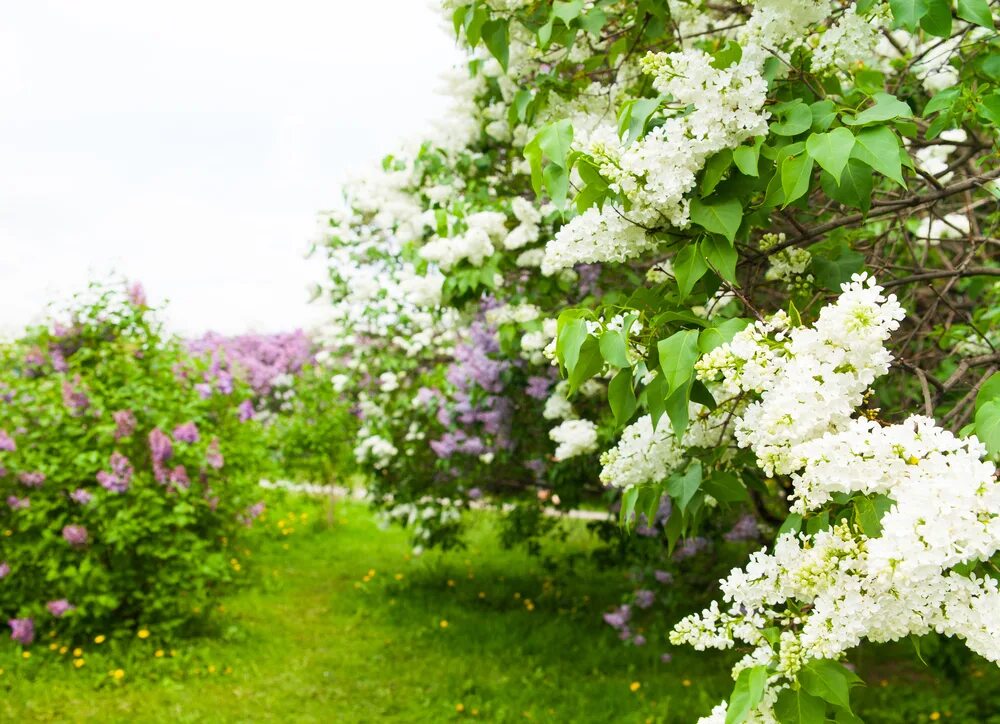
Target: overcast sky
(189, 144)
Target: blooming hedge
(307, 422)
(125, 491)
(642, 252)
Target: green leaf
(497, 40)
(555, 141)
(721, 256)
(829, 681)
(989, 391)
(593, 21)
(799, 707)
(590, 363)
(824, 112)
(989, 108)
(976, 11)
(714, 170)
(678, 353)
(831, 150)
(747, 158)
(655, 396)
(571, 334)
(552, 142)
(682, 487)
(721, 217)
(792, 524)
(942, 100)
(796, 117)
(835, 266)
(458, 18)
(796, 172)
(621, 396)
(728, 55)
(725, 487)
(629, 497)
(676, 406)
(869, 512)
(567, 10)
(634, 117)
(879, 148)
(689, 267)
(855, 187)
(747, 694)
(613, 349)
(720, 334)
(907, 13)
(887, 107)
(474, 22)
(988, 425)
(701, 395)
(937, 21)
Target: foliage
(663, 199)
(554, 661)
(127, 493)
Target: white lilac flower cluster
(646, 455)
(810, 379)
(485, 231)
(656, 172)
(851, 40)
(374, 449)
(574, 437)
(828, 591)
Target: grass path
(323, 640)
(348, 627)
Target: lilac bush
(125, 489)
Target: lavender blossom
(32, 480)
(644, 598)
(538, 387)
(663, 577)
(75, 535)
(7, 442)
(125, 423)
(73, 398)
(179, 477)
(246, 411)
(161, 450)
(213, 456)
(22, 630)
(746, 529)
(60, 607)
(188, 432)
(17, 503)
(252, 513)
(137, 295)
(690, 548)
(4, 569)
(120, 477)
(81, 496)
(619, 618)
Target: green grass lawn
(348, 626)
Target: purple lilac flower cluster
(120, 477)
(259, 359)
(477, 407)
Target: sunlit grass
(348, 626)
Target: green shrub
(125, 485)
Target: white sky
(189, 144)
